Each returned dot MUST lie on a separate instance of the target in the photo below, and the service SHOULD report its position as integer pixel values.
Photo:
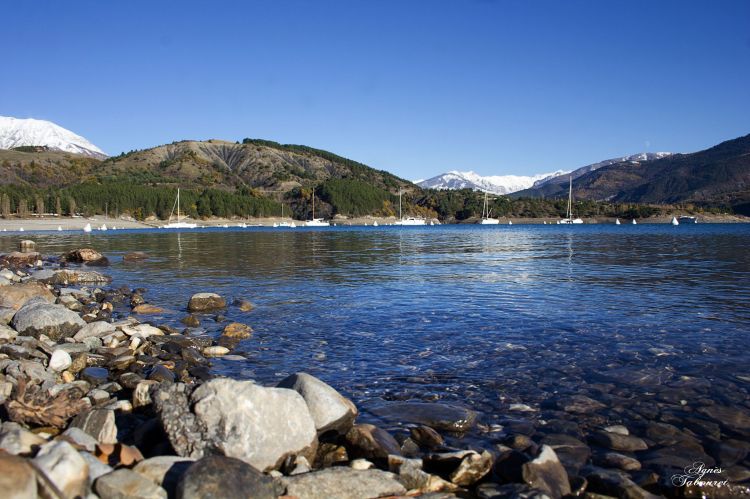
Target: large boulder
(220, 476)
(206, 302)
(39, 317)
(344, 483)
(89, 256)
(261, 426)
(329, 409)
(17, 295)
(64, 467)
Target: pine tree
(72, 207)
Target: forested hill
(718, 176)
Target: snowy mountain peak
(494, 184)
(16, 132)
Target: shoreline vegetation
(51, 223)
(98, 397)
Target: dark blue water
(486, 316)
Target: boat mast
(399, 205)
(178, 205)
(313, 217)
(570, 197)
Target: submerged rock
(328, 408)
(39, 317)
(89, 256)
(438, 416)
(220, 476)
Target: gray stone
(7, 333)
(17, 479)
(221, 476)
(127, 484)
(546, 474)
(616, 484)
(579, 404)
(96, 467)
(94, 329)
(14, 439)
(6, 315)
(619, 461)
(64, 467)
(473, 468)
(329, 409)
(261, 426)
(164, 471)
(80, 438)
(73, 348)
(38, 317)
(344, 483)
(60, 361)
(206, 302)
(99, 423)
(67, 277)
(617, 441)
(435, 415)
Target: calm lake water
(479, 315)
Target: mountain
(716, 176)
(496, 184)
(644, 156)
(16, 133)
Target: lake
(512, 321)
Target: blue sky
(413, 87)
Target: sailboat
(486, 220)
(674, 221)
(617, 221)
(634, 222)
(316, 222)
(569, 214)
(284, 223)
(178, 224)
(408, 220)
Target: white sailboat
(486, 219)
(674, 221)
(316, 222)
(408, 220)
(86, 228)
(569, 220)
(617, 221)
(284, 223)
(178, 224)
(634, 222)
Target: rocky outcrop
(206, 302)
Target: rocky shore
(99, 402)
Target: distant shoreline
(36, 224)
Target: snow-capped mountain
(494, 184)
(507, 184)
(16, 132)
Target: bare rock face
(344, 483)
(39, 317)
(329, 409)
(206, 302)
(16, 296)
(261, 426)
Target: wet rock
(426, 437)
(64, 467)
(20, 259)
(60, 361)
(732, 418)
(344, 483)
(99, 423)
(95, 375)
(164, 471)
(18, 478)
(39, 317)
(206, 302)
(572, 453)
(191, 321)
(261, 426)
(215, 351)
(161, 374)
(142, 331)
(579, 404)
(370, 442)
(146, 309)
(27, 246)
(135, 256)
(728, 452)
(14, 297)
(329, 409)
(237, 330)
(546, 473)
(89, 256)
(69, 277)
(220, 476)
(615, 484)
(617, 441)
(473, 468)
(509, 491)
(330, 454)
(14, 439)
(244, 305)
(618, 461)
(439, 416)
(127, 484)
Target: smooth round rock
(206, 302)
(60, 361)
(220, 476)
